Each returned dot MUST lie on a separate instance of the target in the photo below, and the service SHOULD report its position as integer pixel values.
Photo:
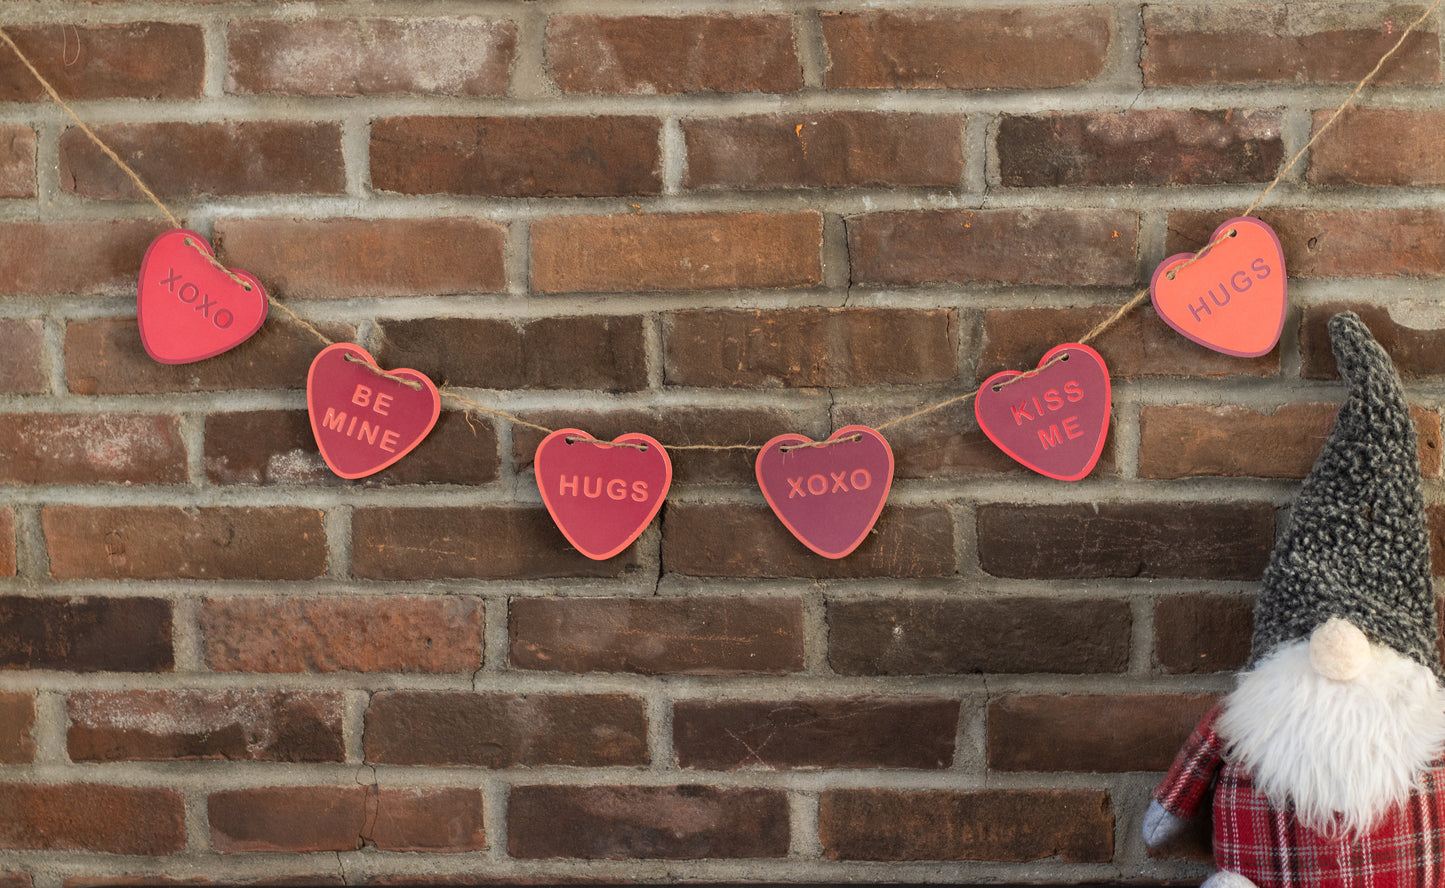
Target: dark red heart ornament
(1232, 298)
(364, 418)
(828, 495)
(602, 495)
(1054, 419)
(187, 308)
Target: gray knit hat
(1356, 546)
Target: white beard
(1345, 753)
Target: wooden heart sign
(602, 495)
(187, 308)
(363, 420)
(828, 495)
(1232, 298)
(1054, 419)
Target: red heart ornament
(1054, 419)
(364, 418)
(1232, 298)
(827, 495)
(602, 496)
(187, 308)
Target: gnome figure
(1325, 764)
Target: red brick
(1206, 540)
(15, 880)
(965, 49)
(1075, 825)
(433, 818)
(86, 634)
(468, 542)
(17, 162)
(348, 258)
(505, 730)
(106, 448)
(1378, 146)
(861, 732)
(92, 817)
(650, 55)
(289, 818)
(1056, 247)
(517, 156)
(17, 720)
(190, 160)
(743, 540)
(672, 251)
(1090, 732)
(847, 149)
(168, 542)
(1416, 344)
(462, 56)
(646, 822)
(1139, 148)
(1435, 522)
(658, 636)
(390, 634)
(73, 258)
(131, 60)
(1294, 43)
(7, 543)
(803, 347)
(104, 356)
(937, 636)
(1202, 633)
(267, 726)
(22, 357)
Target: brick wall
(712, 223)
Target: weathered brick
(191, 160)
(288, 818)
(17, 720)
(86, 634)
(594, 352)
(845, 149)
(742, 540)
(22, 357)
(350, 258)
(677, 251)
(474, 542)
(1206, 540)
(77, 448)
(505, 730)
(92, 817)
(1294, 43)
(646, 822)
(802, 347)
(1202, 633)
(1435, 523)
(517, 156)
(1056, 247)
(1415, 345)
(1139, 148)
(1378, 146)
(388, 634)
(1090, 732)
(130, 60)
(268, 726)
(948, 636)
(658, 636)
(861, 732)
(17, 162)
(84, 258)
(15, 880)
(165, 542)
(7, 543)
(461, 56)
(428, 819)
(1074, 825)
(965, 49)
(651, 55)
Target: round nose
(1338, 650)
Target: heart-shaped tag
(187, 308)
(1232, 298)
(364, 418)
(827, 494)
(602, 495)
(1054, 419)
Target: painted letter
(865, 483)
(388, 441)
(563, 484)
(382, 401)
(822, 485)
(1050, 438)
(639, 491)
(362, 396)
(1071, 428)
(336, 424)
(1071, 388)
(617, 489)
(795, 487)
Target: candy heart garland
(1232, 298)
(827, 495)
(187, 308)
(363, 420)
(1054, 419)
(601, 495)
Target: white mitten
(1160, 826)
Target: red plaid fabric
(1268, 846)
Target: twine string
(826, 442)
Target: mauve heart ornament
(365, 419)
(1232, 298)
(827, 494)
(187, 308)
(1054, 419)
(602, 495)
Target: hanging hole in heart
(1169, 275)
(997, 387)
(1232, 233)
(1064, 356)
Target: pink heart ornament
(187, 308)
(601, 495)
(363, 420)
(1054, 419)
(828, 496)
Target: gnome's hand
(1160, 827)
